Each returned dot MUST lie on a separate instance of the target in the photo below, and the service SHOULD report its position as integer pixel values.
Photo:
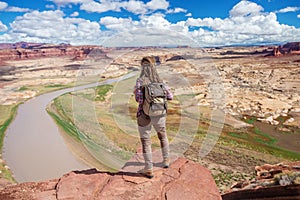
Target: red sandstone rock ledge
(184, 179)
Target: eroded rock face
(264, 90)
(288, 48)
(183, 180)
(43, 50)
(290, 192)
(279, 181)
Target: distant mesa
(27, 50)
(30, 45)
(24, 50)
(292, 48)
(17, 45)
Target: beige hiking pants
(159, 124)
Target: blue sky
(150, 22)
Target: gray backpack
(155, 102)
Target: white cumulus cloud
(118, 24)
(245, 8)
(176, 10)
(103, 6)
(133, 6)
(3, 27)
(74, 14)
(148, 31)
(247, 24)
(16, 9)
(3, 5)
(157, 4)
(288, 9)
(100, 6)
(65, 2)
(156, 21)
(52, 27)
(136, 7)
(50, 6)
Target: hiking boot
(166, 163)
(146, 172)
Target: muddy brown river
(33, 146)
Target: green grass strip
(5, 173)
(5, 125)
(67, 126)
(101, 91)
(269, 139)
(251, 144)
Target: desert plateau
(250, 94)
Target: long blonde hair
(148, 71)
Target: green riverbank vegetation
(7, 114)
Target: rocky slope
(279, 181)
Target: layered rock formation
(287, 49)
(183, 180)
(19, 45)
(27, 51)
(279, 181)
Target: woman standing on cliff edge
(145, 122)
